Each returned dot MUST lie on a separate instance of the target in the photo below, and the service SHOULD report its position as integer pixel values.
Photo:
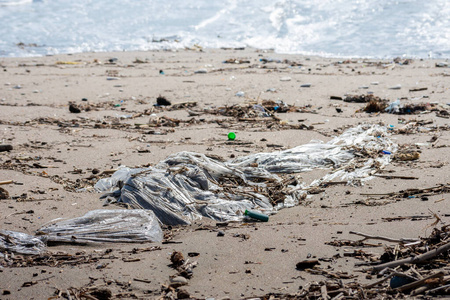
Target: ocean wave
(367, 28)
(14, 2)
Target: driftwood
(412, 260)
(418, 283)
(394, 273)
(438, 289)
(439, 189)
(376, 237)
(418, 89)
(395, 177)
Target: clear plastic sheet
(21, 243)
(187, 186)
(186, 190)
(122, 225)
(335, 153)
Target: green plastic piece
(256, 215)
(231, 136)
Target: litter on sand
(187, 186)
(121, 225)
(114, 226)
(21, 243)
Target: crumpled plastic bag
(121, 225)
(21, 243)
(114, 226)
(187, 186)
(186, 190)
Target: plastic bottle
(256, 215)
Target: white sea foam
(364, 28)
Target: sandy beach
(59, 153)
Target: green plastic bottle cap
(231, 136)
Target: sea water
(339, 28)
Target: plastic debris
(396, 87)
(261, 111)
(393, 107)
(201, 71)
(442, 64)
(257, 215)
(231, 136)
(122, 225)
(21, 243)
(187, 186)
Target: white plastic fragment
(393, 107)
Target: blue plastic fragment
(397, 281)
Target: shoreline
(55, 152)
(198, 48)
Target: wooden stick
(418, 89)
(6, 182)
(413, 260)
(395, 176)
(375, 237)
(142, 280)
(417, 283)
(333, 183)
(437, 289)
(394, 273)
(339, 296)
(324, 292)
(372, 194)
